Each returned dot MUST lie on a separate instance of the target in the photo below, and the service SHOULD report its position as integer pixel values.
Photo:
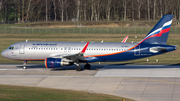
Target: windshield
(11, 48)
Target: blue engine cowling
(54, 62)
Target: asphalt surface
(138, 82)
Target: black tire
(87, 66)
(78, 68)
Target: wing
(125, 39)
(72, 57)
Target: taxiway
(138, 82)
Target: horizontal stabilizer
(158, 49)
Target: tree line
(87, 10)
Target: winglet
(85, 47)
(125, 39)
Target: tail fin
(160, 32)
(125, 39)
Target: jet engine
(56, 62)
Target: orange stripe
(46, 63)
(111, 53)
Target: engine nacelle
(55, 62)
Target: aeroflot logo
(44, 44)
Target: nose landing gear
(24, 65)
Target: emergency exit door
(137, 51)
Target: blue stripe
(165, 27)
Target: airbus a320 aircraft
(57, 54)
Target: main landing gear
(24, 65)
(78, 68)
(86, 66)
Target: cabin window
(11, 48)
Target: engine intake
(55, 63)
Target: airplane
(125, 39)
(58, 54)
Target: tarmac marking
(79, 75)
(25, 72)
(147, 80)
(17, 69)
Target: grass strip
(21, 93)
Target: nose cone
(3, 53)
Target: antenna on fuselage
(102, 41)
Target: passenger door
(22, 49)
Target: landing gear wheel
(78, 68)
(87, 66)
(24, 67)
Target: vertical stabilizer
(159, 34)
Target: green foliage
(11, 14)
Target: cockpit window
(11, 48)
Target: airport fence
(83, 30)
